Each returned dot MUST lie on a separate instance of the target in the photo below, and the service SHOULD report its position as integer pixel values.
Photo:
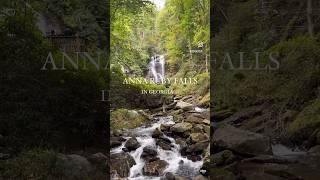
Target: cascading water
(176, 163)
(157, 68)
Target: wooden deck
(67, 43)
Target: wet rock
(181, 127)
(194, 158)
(165, 145)
(155, 168)
(149, 153)
(121, 163)
(116, 141)
(125, 149)
(198, 137)
(184, 105)
(241, 141)
(222, 158)
(157, 133)
(132, 144)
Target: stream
(176, 163)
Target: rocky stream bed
(173, 145)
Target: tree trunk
(309, 17)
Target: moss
(128, 119)
(307, 120)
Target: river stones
(184, 105)
(241, 141)
(165, 145)
(157, 133)
(198, 137)
(120, 164)
(149, 154)
(194, 119)
(155, 168)
(181, 127)
(132, 144)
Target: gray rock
(241, 141)
(132, 144)
(155, 168)
(120, 164)
(181, 127)
(199, 137)
(184, 105)
(149, 153)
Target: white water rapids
(177, 164)
(157, 68)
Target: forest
(265, 89)
(159, 93)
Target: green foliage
(128, 119)
(306, 122)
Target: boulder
(132, 144)
(165, 145)
(198, 137)
(157, 133)
(155, 168)
(181, 127)
(120, 164)
(149, 153)
(241, 141)
(184, 105)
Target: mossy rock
(126, 119)
(306, 122)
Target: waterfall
(157, 68)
